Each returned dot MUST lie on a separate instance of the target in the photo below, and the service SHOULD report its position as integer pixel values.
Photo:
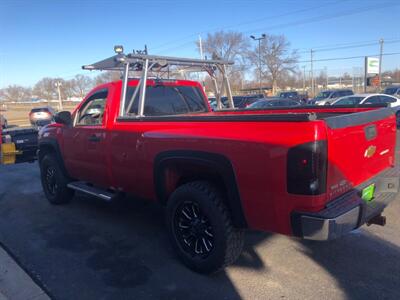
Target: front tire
(200, 227)
(54, 181)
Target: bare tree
(276, 60)
(105, 77)
(81, 85)
(46, 88)
(231, 46)
(16, 93)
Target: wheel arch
(174, 168)
(51, 146)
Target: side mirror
(63, 117)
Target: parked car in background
(294, 95)
(3, 122)
(393, 90)
(242, 101)
(41, 116)
(328, 96)
(274, 102)
(371, 99)
(367, 99)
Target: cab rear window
(164, 100)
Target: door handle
(94, 138)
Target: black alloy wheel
(193, 230)
(201, 229)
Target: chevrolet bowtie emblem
(370, 151)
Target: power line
(303, 21)
(328, 16)
(348, 47)
(348, 57)
(347, 44)
(244, 23)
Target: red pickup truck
(312, 172)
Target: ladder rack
(143, 63)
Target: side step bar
(84, 187)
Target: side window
(334, 95)
(373, 100)
(345, 101)
(386, 99)
(92, 111)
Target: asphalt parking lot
(90, 250)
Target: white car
(367, 99)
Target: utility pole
(262, 37)
(312, 74)
(201, 48)
(380, 62)
(304, 79)
(58, 84)
(326, 75)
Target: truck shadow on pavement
(363, 265)
(140, 258)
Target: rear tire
(54, 181)
(200, 228)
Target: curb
(15, 281)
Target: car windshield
(391, 91)
(41, 109)
(349, 101)
(323, 95)
(287, 94)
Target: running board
(84, 187)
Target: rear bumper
(349, 211)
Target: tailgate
(360, 145)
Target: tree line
(46, 88)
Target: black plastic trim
(290, 117)
(52, 143)
(216, 162)
(359, 118)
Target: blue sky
(54, 38)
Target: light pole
(58, 84)
(380, 62)
(312, 75)
(262, 37)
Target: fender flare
(49, 143)
(216, 162)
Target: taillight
(306, 168)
